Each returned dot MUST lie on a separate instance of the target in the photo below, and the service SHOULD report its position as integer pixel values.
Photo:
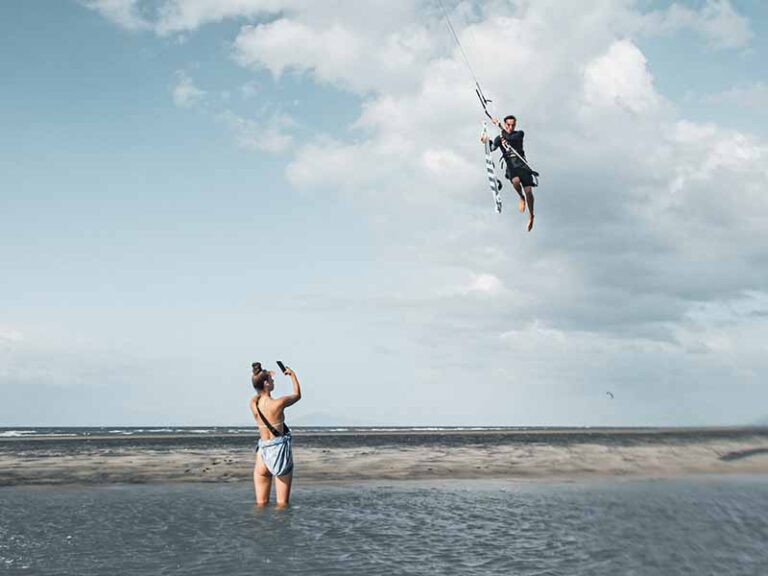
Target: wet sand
(69, 461)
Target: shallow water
(706, 525)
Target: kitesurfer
(518, 172)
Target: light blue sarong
(277, 454)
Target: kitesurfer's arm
(484, 137)
(291, 399)
(495, 143)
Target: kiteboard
(490, 167)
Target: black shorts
(520, 170)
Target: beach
(332, 456)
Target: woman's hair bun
(259, 376)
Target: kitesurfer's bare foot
(530, 223)
(521, 205)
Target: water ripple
(673, 527)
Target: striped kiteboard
(490, 167)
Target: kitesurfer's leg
(519, 189)
(529, 197)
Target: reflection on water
(669, 527)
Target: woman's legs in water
(262, 482)
(283, 489)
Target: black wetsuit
(515, 167)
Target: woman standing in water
(274, 457)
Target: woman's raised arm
(291, 399)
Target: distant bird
(610, 394)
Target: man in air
(518, 172)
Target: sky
(188, 186)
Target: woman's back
(273, 411)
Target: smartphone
(281, 366)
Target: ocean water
(686, 526)
(62, 440)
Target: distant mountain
(761, 422)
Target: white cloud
(10, 335)
(124, 13)
(485, 283)
(707, 150)
(620, 77)
(470, 284)
(752, 96)
(270, 134)
(174, 16)
(181, 15)
(732, 327)
(359, 59)
(716, 22)
(723, 26)
(185, 93)
(285, 44)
